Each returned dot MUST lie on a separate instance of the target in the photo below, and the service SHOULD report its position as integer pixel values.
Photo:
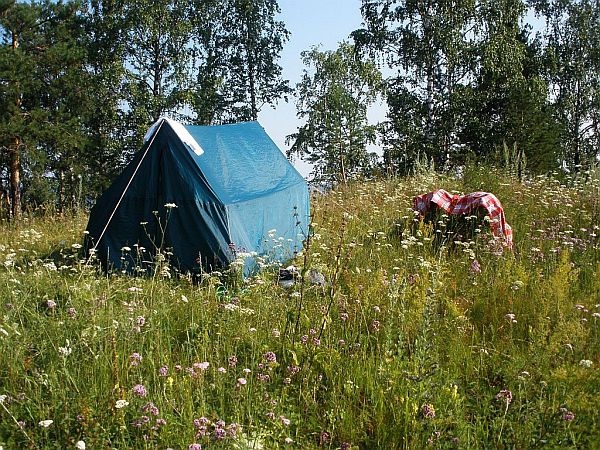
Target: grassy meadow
(408, 344)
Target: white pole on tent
(127, 186)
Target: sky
(310, 22)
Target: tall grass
(406, 345)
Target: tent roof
(241, 162)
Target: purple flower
(505, 395)
(241, 382)
(304, 339)
(163, 371)
(140, 390)
(202, 421)
(219, 433)
(324, 438)
(201, 366)
(72, 312)
(293, 370)
(51, 304)
(194, 446)
(566, 415)
(475, 267)
(233, 429)
(161, 422)
(135, 359)
(150, 408)
(140, 321)
(428, 411)
(270, 357)
(233, 361)
(375, 325)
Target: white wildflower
(121, 404)
(586, 363)
(46, 423)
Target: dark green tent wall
(240, 196)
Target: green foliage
(406, 345)
(333, 97)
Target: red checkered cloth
(466, 204)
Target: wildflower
(324, 438)
(170, 205)
(201, 366)
(80, 445)
(160, 422)
(134, 289)
(344, 316)
(428, 411)
(241, 382)
(232, 361)
(505, 395)
(194, 446)
(140, 321)
(135, 359)
(377, 309)
(72, 312)
(270, 357)
(163, 371)
(510, 317)
(276, 333)
(475, 266)
(46, 423)
(271, 415)
(316, 341)
(219, 433)
(566, 415)
(121, 404)
(304, 339)
(375, 325)
(247, 371)
(285, 420)
(150, 408)
(288, 440)
(586, 363)
(233, 429)
(66, 350)
(222, 370)
(140, 390)
(125, 249)
(51, 304)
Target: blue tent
(202, 195)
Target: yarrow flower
(121, 404)
(241, 382)
(586, 363)
(51, 304)
(80, 445)
(46, 423)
